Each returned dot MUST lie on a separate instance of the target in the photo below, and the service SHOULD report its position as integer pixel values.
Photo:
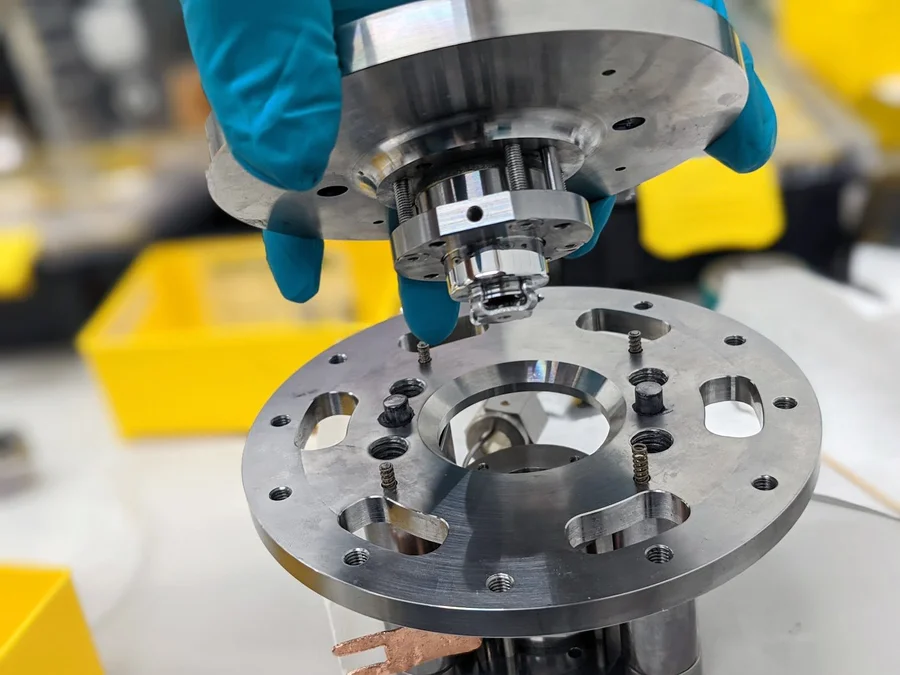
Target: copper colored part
(405, 648)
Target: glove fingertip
(600, 213)
(430, 312)
(296, 264)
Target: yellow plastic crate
(196, 336)
(42, 629)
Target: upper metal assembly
(475, 133)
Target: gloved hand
(271, 74)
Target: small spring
(402, 200)
(388, 477)
(634, 342)
(641, 461)
(515, 167)
(424, 353)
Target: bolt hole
(437, 244)
(785, 403)
(411, 258)
(575, 652)
(331, 191)
(500, 582)
(648, 375)
(279, 494)
(765, 483)
(337, 359)
(356, 557)
(569, 247)
(735, 340)
(474, 214)
(655, 440)
(573, 459)
(620, 168)
(607, 73)
(378, 222)
(659, 554)
(430, 277)
(628, 123)
(388, 448)
(483, 466)
(410, 388)
(561, 226)
(644, 305)
(280, 421)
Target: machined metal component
(397, 412)
(530, 541)
(469, 167)
(635, 346)
(388, 476)
(515, 420)
(640, 460)
(648, 398)
(424, 351)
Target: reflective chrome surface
(564, 550)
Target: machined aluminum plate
(624, 89)
(512, 561)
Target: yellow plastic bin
(42, 629)
(196, 336)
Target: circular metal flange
(624, 89)
(727, 500)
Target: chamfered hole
(785, 403)
(655, 440)
(644, 305)
(410, 388)
(388, 448)
(765, 483)
(474, 214)
(331, 191)
(279, 494)
(356, 557)
(735, 340)
(648, 375)
(500, 582)
(628, 123)
(280, 421)
(659, 554)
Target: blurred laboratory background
(141, 332)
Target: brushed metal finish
(431, 81)
(513, 526)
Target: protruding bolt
(397, 412)
(515, 167)
(634, 342)
(402, 200)
(648, 398)
(424, 353)
(641, 461)
(388, 477)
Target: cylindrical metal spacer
(515, 167)
(640, 459)
(397, 412)
(402, 200)
(648, 398)
(424, 353)
(552, 170)
(634, 342)
(388, 477)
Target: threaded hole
(483, 466)
(356, 557)
(388, 448)
(474, 214)
(628, 123)
(575, 652)
(655, 440)
(765, 483)
(337, 358)
(607, 73)
(735, 340)
(644, 305)
(280, 421)
(648, 375)
(785, 403)
(410, 388)
(500, 582)
(279, 494)
(659, 554)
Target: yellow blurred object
(196, 337)
(851, 47)
(42, 629)
(19, 251)
(702, 206)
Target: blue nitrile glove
(271, 74)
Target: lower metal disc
(623, 89)
(570, 548)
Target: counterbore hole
(648, 375)
(785, 403)
(337, 359)
(331, 191)
(388, 448)
(437, 244)
(644, 305)
(280, 421)
(620, 168)
(356, 557)
(659, 554)
(409, 388)
(500, 582)
(279, 494)
(474, 214)
(607, 73)
(628, 123)
(378, 222)
(735, 340)
(655, 440)
(575, 652)
(483, 466)
(765, 483)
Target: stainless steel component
(502, 423)
(640, 460)
(648, 398)
(469, 118)
(524, 553)
(665, 643)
